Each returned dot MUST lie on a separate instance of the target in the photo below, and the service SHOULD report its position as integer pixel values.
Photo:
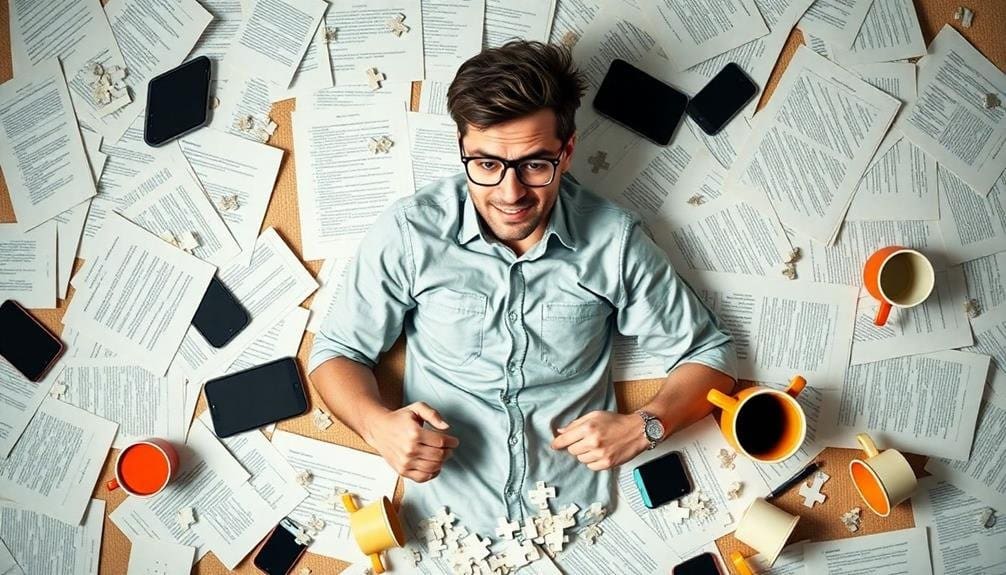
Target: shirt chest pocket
(452, 324)
(573, 335)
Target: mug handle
(740, 563)
(375, 563)
(112, 484)
(866, 442)
(349, 503)
(882, 312)
(796, 385)
(721, 400)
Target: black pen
(800, 476)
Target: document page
(986, 281)
(811, 144)
(522, 19)
(28, 265)
(939, 323)
(990, 339)
(19, 399)
(974, 226)
(629, 361)
(231, 167)
(364, 40)
(984, 474)
(152, 557)
(782, 328)
(106, 305)
(8, 566)
(41, 544)
(340, 98)
(891, 553)
(173, 205)
(452, 33)
(949, 119)
(789, 562)
(433, 98)
(926, 403)
(240, 98)
(313, 73)
(885, 194)
(333, 466)
(273, 38)
(342, 185)
(957, 541)
(143, 404)
(41, 151)
(699, 445)
(281, 340)
(896, 79)
(696, 30)
(53, 467)
(889, 32)
(69, 229)
(433, 143)
(333, 272)
(216, 39)
(836, 21)
(571, 17)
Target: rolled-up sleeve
(663, 313)
(368, 311)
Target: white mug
(765, 528)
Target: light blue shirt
(509, 348)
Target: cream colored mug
(884, 479)
(765, 528)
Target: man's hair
(515, 80)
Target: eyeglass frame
(507, 164)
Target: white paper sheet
(571, 18)
(939, 323)
(227, 165)
(69, 228)
(150, 557)
(8, 566)
(364, 40)
(812, 143)
(173, 204)
(331, 275)
(974, 226)
(783, 328)
(958, 542)
(44, 546)
(949, 120)
(333, 466)
(523, 19)
(28, 264)
(242, 97)
(19, 399)
(990, 339)
(884, 193)
(216, 39)
(143, 404)
(629, 361)
(343, 186)
(53, 467)
(986, 281)
(115, 295)
(889, 32)
(281, 340)
(890, 553)
(699, 445)
(926, 403)
(344, 96)
(313, 73)
(273, 38)
(149, 46)
(836, 21)
(433, 143)
(789, 562)
(452, 33)
(41, 151)
(693, 31)
(433, 98)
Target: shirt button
(513, 316)
(512, 367)
(513, 440)
(510, 493)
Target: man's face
(517, 214)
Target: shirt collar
(471, 226)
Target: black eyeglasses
(490, 170)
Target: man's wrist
(368, 418)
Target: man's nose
(511, 188)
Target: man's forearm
(681, 399)
(350, 391)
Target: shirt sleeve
(661, 310)
(368, 311)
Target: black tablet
(177, 102)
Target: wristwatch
(652, 428)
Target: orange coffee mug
(898, 277)
(145, 467)
(764, 424)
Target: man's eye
(534, 166)
(489, 165)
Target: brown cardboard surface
(819, 523)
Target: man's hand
(412, 450)
(602, 439)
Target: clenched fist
(602, 439)
(414, 451)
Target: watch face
(654, 429)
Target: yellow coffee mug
(764, 424)
(884, 479)
(375, 527)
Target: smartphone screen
(640, 102)
(177, 101)
(255, 397)
(704, 564)
(26, 343)
(281, 550)
(220, 316)
(662, 480)
(720, 100)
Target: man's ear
(567, 158)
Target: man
(509, 281)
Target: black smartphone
(220, 316)
(720, 100)
(177, 102)
(280, 551)
(256, 396)
(704, 564)
(26, 343)
(640, 102)
(662, 480)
